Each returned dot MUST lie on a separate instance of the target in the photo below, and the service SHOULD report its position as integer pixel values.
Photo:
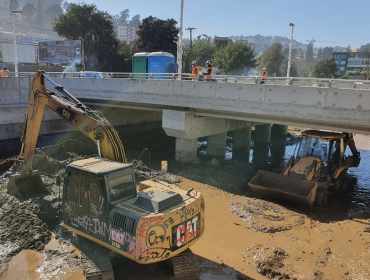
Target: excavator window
(121, 188)
(302, 148)
(318, 148)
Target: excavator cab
(319, 167)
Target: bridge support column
(263, 133)
(186, 149)
(279, 130)
(242, 144)
(216, 145)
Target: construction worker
(4, 73)
(194, 71)
(209, 71)
(263, 75)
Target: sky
(340, 21)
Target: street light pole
(191, 40)
(179, 43)
(290, 51)
(14, 13)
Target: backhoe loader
(319, 168)
(150, 223)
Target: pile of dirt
(269, 262)
(21, 226)
(264, 216)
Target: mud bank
(245, 238)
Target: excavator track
(95, 260)
(185, 265)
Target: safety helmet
(194, 63)
(4, 67)
(263, 68)
(209, 62)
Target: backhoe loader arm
(356, 154)
(88, 122)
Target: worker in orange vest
(194, 71)
(209, 71)
(263, 75)
(4, 73)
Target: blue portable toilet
(160, 62)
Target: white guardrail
(296, 81)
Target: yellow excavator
(148, 223)
(318, 169)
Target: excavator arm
(90, 123)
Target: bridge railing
(283, 81)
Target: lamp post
(14, 13)
(191, 40)
(179, 43)
(290, 52)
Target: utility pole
(179, 42)
(14, 13)
(191, 41)
(290, 51)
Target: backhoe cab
(319, 168)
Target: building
(126, 33)
(350, 62)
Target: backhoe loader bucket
(26, 186)
(279, 186)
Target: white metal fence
(283, 81)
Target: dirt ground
(245, 237)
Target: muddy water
(23, 266)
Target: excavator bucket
(282, 187)
(26, 186)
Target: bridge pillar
(186, 149)
(279, 130)
(242, 144)
(216, 145)
(263, 133)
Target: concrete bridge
(192, 109)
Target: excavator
(149, 223)
(319, 168)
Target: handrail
(283, 81)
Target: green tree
(158, 35)
(366, 55)
(135, 21)
(319, 55)
(51, 13)
(95, 28)
(309, 52)
(272, 59)
(234, 57)
(326, 52)
(13, 5)
(29, 13)
(326, 68)
(203, 50)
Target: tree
(29, 12)
(319, 55)
(95, 28)
(51, 13)
(203, 50)
(326, 68)
(272, 59)
(13, 5)
(135, 22)
(158, 35)
(326, 52)
(309, 52)
(234, 57)
(366, 55)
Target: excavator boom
(89, 122)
